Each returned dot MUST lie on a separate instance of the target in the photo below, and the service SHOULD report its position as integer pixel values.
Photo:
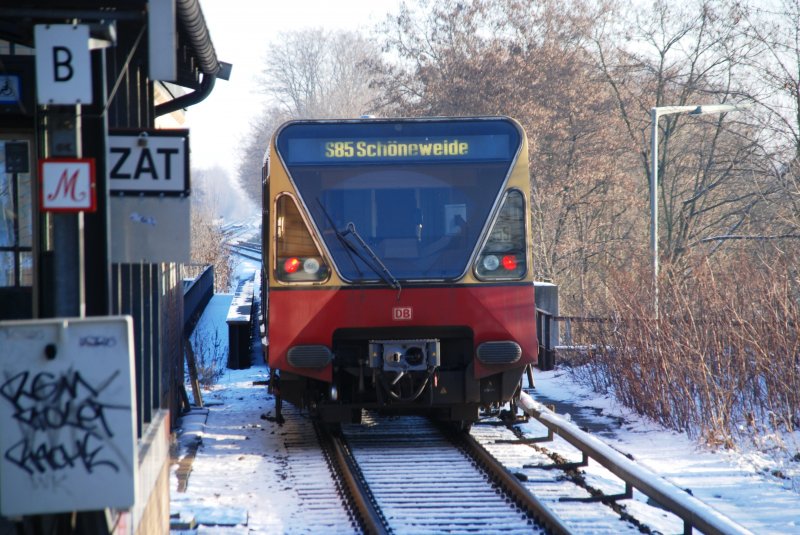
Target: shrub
(209, 357)
(722, 362)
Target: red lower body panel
(310, 316)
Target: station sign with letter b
(63, 64)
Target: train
(397, 266)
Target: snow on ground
(742, 485)
(240, 477)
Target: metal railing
(198, 288)
(693, 512)
(566, 327)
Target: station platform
(190, 513)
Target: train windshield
(417, 194)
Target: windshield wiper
(372, 261)
(383, 272)
(348, 247)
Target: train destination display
(422, 149)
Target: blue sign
(10, 88)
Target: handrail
(196, 295)
(693, 512)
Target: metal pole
(68, 283)
(654, 206)
(655, 113)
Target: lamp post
(655, 114)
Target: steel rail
(530, 503)
(247, 245)
(358, 493)
(693, 512)
(245, 252)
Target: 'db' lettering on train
(402, 313)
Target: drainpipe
(190, 99)
(193, 23)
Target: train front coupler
(404, 368)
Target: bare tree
(208, 247)
(315, 74)
(214, 189)
(255, 144)
(774, 26)
(211, 200)
(308, 74)
(685, 55)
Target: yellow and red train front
(399, 251)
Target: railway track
(409, 475)
(303, 471)
(412, 477)
(246, 249)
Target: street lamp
(655, 113)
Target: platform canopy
(196, 57)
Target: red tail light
(291, 265)
(510, 262)
(298, 258)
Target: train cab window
(503, 255)
(298, 258)
(16, 215)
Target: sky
(241, 31)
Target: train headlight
(491, 262)
(298, 256)
(311, 266)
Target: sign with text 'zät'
(67, 415)
(67, 185)
(152, 162)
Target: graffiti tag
(63, 422)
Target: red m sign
(67, 185)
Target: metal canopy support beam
(96, 231)
(44, 14)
